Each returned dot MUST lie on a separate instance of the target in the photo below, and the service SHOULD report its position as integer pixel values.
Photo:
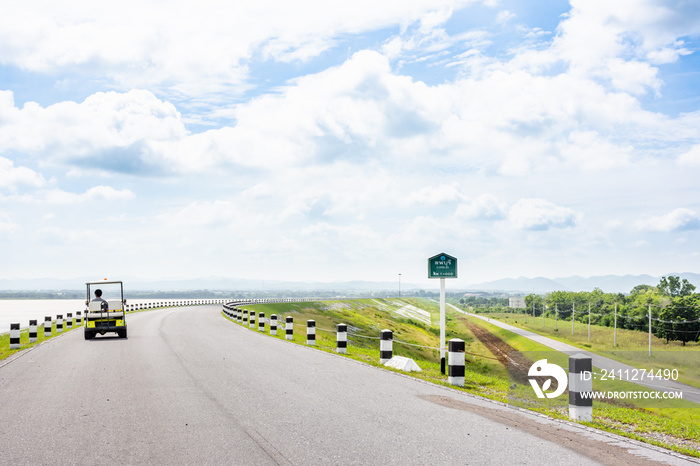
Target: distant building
(516, 303)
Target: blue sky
(349, 141)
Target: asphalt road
(190, 387)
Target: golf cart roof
(104, 282)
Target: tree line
(673, 303)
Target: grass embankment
(632, 346)
(675, 428)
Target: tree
(680, 321)
(641, 289)
(673, 286)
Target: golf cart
(105, 309)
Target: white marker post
(442, 266)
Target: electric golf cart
(105, 309)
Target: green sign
(442, 266)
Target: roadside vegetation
(676, 427)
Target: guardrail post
(69, 320)
(251, 319)
(273, 324)
(289, 328)
(14, 335)
(310, 332)
(239, 315)
(59, 323)
(245, 316)
(341, 339)
(261, 321)
(32, 331)
(47, 326)
(455, 362)
(78, 319)
(386, 346)
(580, 381)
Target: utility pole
(399, 285)
(589, 321)
(615, 329)
(573, 313)
(649, 330)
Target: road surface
(190, 387)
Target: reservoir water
(23, 310)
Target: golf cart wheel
(122, 333)
(89, 335)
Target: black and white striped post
(580, 382)
(245, 316)
(47, 326)
(455, 362)
(239, 315)
(386, 346)
(32, 331)
(310, 332)
(273, 324)
(251, 319)
(69, 320)
(14, 335)
(261, 321)
(78, 319)
(289, 328)
(341, 339)
(59, 323)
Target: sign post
(442, 266)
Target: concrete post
(47, 326)
(289, 328)
(78, 319)
(310, 332)
(342, 338)
(261, 321)
(251, 319)
(14, 335)
(59, 323)
(245, 316)
(386, 346)
(69, 320)
(580, 383)
(455, 362)
(32, 331)
(273, 324)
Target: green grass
(5, 350)
(632, 346)
(674, 427)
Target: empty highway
(190, 387)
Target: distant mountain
(521, 285)
(207, 283)
(607, 283)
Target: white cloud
(435, 195)
(113, 130)
(680, 219)
(6, 223)
(97, 193)
(484, 207)
(539, 214)
(203, 213)
(690, 158)
(190, 49)
(11, 177)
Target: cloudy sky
(323, 141)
